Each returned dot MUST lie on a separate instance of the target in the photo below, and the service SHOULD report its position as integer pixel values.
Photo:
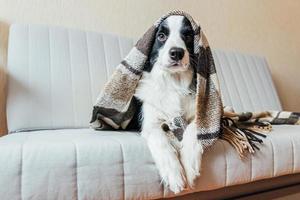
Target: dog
(165, 93)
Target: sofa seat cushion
(88, 164)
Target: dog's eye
(162, 37)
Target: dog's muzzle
(176, 53)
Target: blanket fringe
(244, 137)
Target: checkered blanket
(115, 107)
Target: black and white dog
(165, 92)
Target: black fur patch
(163, 28)
(187, 35)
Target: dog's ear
(206, 65)
(148, 66)
(201, 67)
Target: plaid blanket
(115, 106)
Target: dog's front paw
(174, 179)
(177, 180)
(172, 174)
(191, 157)
(191, 154)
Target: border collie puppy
(165, 92)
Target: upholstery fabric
(46, 63)
(86, 164)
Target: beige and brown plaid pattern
(114, 107)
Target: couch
(55, 75)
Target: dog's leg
(166, 160)
(191, 154)
(164, 154)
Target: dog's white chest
(171, 99)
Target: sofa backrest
(56, 74)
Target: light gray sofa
(55, 75)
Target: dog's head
(173, 47)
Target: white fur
(165, 95)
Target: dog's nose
(176, 53)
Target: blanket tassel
(244, 138)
